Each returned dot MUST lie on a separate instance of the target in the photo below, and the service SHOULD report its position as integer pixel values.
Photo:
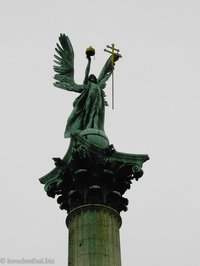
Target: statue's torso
(89, 109)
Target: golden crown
(90, 51)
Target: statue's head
(92, 78)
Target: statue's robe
(88, 110)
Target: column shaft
(94, 236)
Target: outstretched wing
(105, 72)
(65, 65)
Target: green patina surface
(89, 106)
(92, 171)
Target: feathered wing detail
(105, 73)
(65, 65)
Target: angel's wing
(65, 66)
(105, 72)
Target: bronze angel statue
(89, 107)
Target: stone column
(94, 236)
(89, 183)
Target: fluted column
(94, 236)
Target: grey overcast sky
(157, 106)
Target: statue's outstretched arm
(87, 71)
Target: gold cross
(113, 49)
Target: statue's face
(92, 78)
